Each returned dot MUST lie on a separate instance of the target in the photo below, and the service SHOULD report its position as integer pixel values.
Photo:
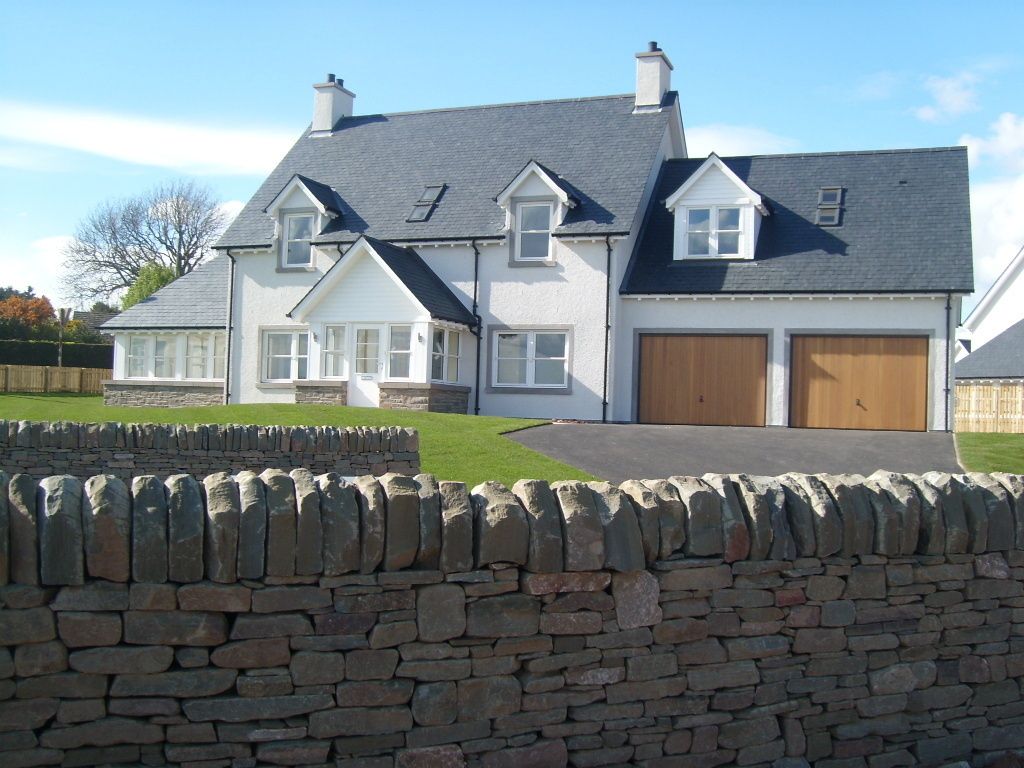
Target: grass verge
(991, 452)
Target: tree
(29, 312)
(152, 277)
(104, 308)
(173, 225)
(6, 291)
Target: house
(1001, 307)
(568, 259)
(999, 359)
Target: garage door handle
(700, 398)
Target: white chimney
(331, 102)
(653, 78)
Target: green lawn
(467, 448)
(991, 452)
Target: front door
(367, 366)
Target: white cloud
(39, 267)
(951, 96)
(24, 158)
(997, 223)
(184, 147)
(232, 208)
(725, 140)
(1005, 143)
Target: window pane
(303, 343)
(697, 244)
(454, 340)
(279, 343)
(401, 336)
(549, 372)
(511, 371)
(399, 368)
(699, 219)
(136, 367)
(300, 228)
(334, 365)
(303, 368)
(534, 245)
(335, 340)
(196, 345)
(163, 358)
(728, 218)
(195, 368)
(298, 252)
(437, 367)
(137, 346)
(728, 243)
(550, 345)
(453, 369)
(511, 345)
(438, 343)
(535, 218)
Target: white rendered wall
(778, 319)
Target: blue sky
(105, 99)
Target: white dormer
(717, 216)
(535, 202)
(300, 211)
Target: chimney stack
(331, 102)
(653, 78)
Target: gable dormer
(300, 211)
(717, 216)
(535, 202)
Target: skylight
(830, 207)
(423, 207)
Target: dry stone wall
(41, 449)
(294, 619)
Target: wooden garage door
(859, 382)
(686, 379)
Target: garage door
(859, 382)
(687, 379)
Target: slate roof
(905, 227)
(420, 279)
(196, 300)
(379, 164)
(327, 197)
(1000, 358)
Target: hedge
(76, 355)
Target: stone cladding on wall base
(322, 392)
(438, 398)
(161, 395)
(398, 622)
(124, 450)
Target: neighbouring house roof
(421, 281)
(92, 320)
(905, 227)
(196, 300)
(1000, 358)
(379, 165)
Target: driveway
(620, 451)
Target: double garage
(876, 382)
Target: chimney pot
(330, 77)
(653, 46)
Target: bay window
(444, 356)
(164, 353)
(285, 355)
(137, 360)
(399, 351)
(536, 359)
(188, 356)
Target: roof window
(423, 207)
(830, 206)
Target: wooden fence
(46, 378)
(990, 406)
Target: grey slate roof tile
(379, 164)
(1000, 358)
(196, 300)
(905, 227)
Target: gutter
(478, 331)
(228, 329)
(607, 325)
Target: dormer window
(713, 231)
(533, 231)
(298, 238)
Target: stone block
(902, 678)
(372, 513)
(402, 528)
(623, 546)
(281, 522)
(702, 579)
(103, 733)
(85, 628)
(488, 697)
(636, 598)
(441, 612)
(243, 710)
(186, 683)
(428, 557)
(433, 703)
(671, 517)
(456, 528)
(122, 660)
(503, 616)
(257, 653)
(648, 516)
(360, 721)
(206, 596)
(106, 527)
(316, 668)
(502, 532)
(40, 659)
(252, 525)
(24, 538)
(545, 552)
(223, 512)
(149, 530)
(375, 693)
(186, 524)
(59, 525)
(290, 598)
(174, 628)
(582, 532)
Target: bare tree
(174, 224)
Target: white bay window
(184, 356)
(399, 351)
(334, 352)
(444, 355)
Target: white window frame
(286, 238)
(171, 340)
(392, 351)
(213, 362)
(531, 358)
(341, 334)
(293, 355)
(520, 231)
(713, 231)
(146, 356)
(446, 356)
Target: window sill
(276, 384)
(318, 382)
(296, 268)
(138, 382)
(533, 263)
(713, 258)
(499, 390)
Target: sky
(104, 100)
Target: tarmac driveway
(616, 452)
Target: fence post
(80, 374)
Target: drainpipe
(607, 325)
(949, 338)
(228, 328)
(478, 331)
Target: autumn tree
(30, 312)
(174, 225)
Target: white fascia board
(995, 293)
(533, 169)
(714, 161)
(779, 296)
(296, 183)
(334, 275)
